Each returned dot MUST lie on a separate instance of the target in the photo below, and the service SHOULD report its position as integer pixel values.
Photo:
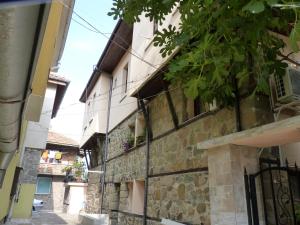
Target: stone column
(226, 183)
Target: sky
(82, 51)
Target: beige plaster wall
(95, 114)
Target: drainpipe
(148, 141)
(106, 143)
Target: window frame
(37, 184)
(125, 78)
(133, 188)
(155, 26)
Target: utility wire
(103, 94)
(124, 104)
(103, 34)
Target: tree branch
(286, 57)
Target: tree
(224, 44)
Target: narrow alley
(49, 218)
(149, 112)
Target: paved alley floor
(49, 218)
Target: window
(125, 79)
(198, 108)
(140, 129)
(89, 109)
(43, 185)
(135, 200)
(115, 83)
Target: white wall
(95, 115)
(142, 45)
(76, 197)
(37, 132)
(121, 104)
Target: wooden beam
(147, 119)
(171, 105)
(85, 156)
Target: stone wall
(183, 197)
(55, 199)
(179, 187)
(125, 219)
(30, 165)
(93, 193)
(119, 135)
(128, 167)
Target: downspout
(148, 141)
(106, 143)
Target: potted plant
(74, 171)
(128, 144)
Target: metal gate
(272, 194)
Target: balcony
(51, 169)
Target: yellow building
(32, 38)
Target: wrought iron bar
(248, 200)
(291, 191)
(263, 194)
(253, 200)
(273, 194)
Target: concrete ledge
(78, 184)
(93, 219)
(276, 133)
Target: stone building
(51, 178)
(165, 156)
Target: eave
(119, 42)
(62, 86)
(155, 82)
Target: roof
(118, 44)
(62, 86)
(151, 86)
(59, 139)
(154, 83)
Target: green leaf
(294, 37)
(271, 2)
(192, 89)
(254, 6)
(242, 77)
